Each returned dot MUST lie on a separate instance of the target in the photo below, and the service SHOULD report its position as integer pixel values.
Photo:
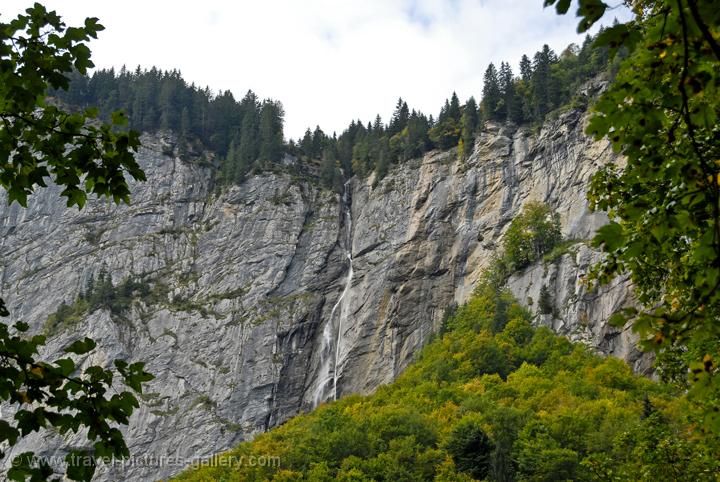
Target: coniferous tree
(446, 132)
(345, 144)
(169, 114)
(378, 128)
(227, 165)
(454, 108)
(248, 148)
(185, 123)
(233, 169)
(444, 112)
(136, 113)
(222, 118)
(469, 125)
(399, 118)
(525, 69)
(271, 132)
(306, 144)
(542, 83)
(382, 163)
(328, 169)
(165, 120)
(417, 141)
(318, 141)
(512, 107)
(241, 133)
(491, 94)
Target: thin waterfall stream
(332, 339)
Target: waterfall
(332, 339)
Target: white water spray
(333, 332)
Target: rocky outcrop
(555, 291)
(242, 281)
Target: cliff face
(269, 297)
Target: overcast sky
(328, 61)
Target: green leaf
(591, 11)
(65, 366)
(8, 432)
(80, 465)
(21, 326)
(611, 236)
(618, 320)
(119, 118)
(617, 36)
(80, 347)
(562, 6)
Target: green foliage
(545, 85)
(271, 132)
(245, 135)
(560, 249)
(51, 394)
(546, 304)
(493, 397)
(470, 448)
(66, 316)
(40, 142)
(101, 293)
(469, 123)
(662, 113)
(117, 299)
(248, 135)
(445, 134)
(491, 94)
(533, 233)
(330, 176)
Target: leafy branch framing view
(82, 156)
(662, 113)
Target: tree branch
(704, 28)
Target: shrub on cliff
(534, 232)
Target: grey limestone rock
(244, 279)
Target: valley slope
(242, 281)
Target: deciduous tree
(41, 143)
(664, 202)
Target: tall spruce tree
(382, 160)
(271, 131)
(318, 142)
(454, 111)
(328, 169)
(249, 147)
(512, 107)
(417, 136)
(525, 69)
(491, 94)
(542, 88)
(306, 143)
(399, 119)
(469, 126)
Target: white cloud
(328, 61)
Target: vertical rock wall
(242, 281)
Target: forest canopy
(493, 397)
(247, 134)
